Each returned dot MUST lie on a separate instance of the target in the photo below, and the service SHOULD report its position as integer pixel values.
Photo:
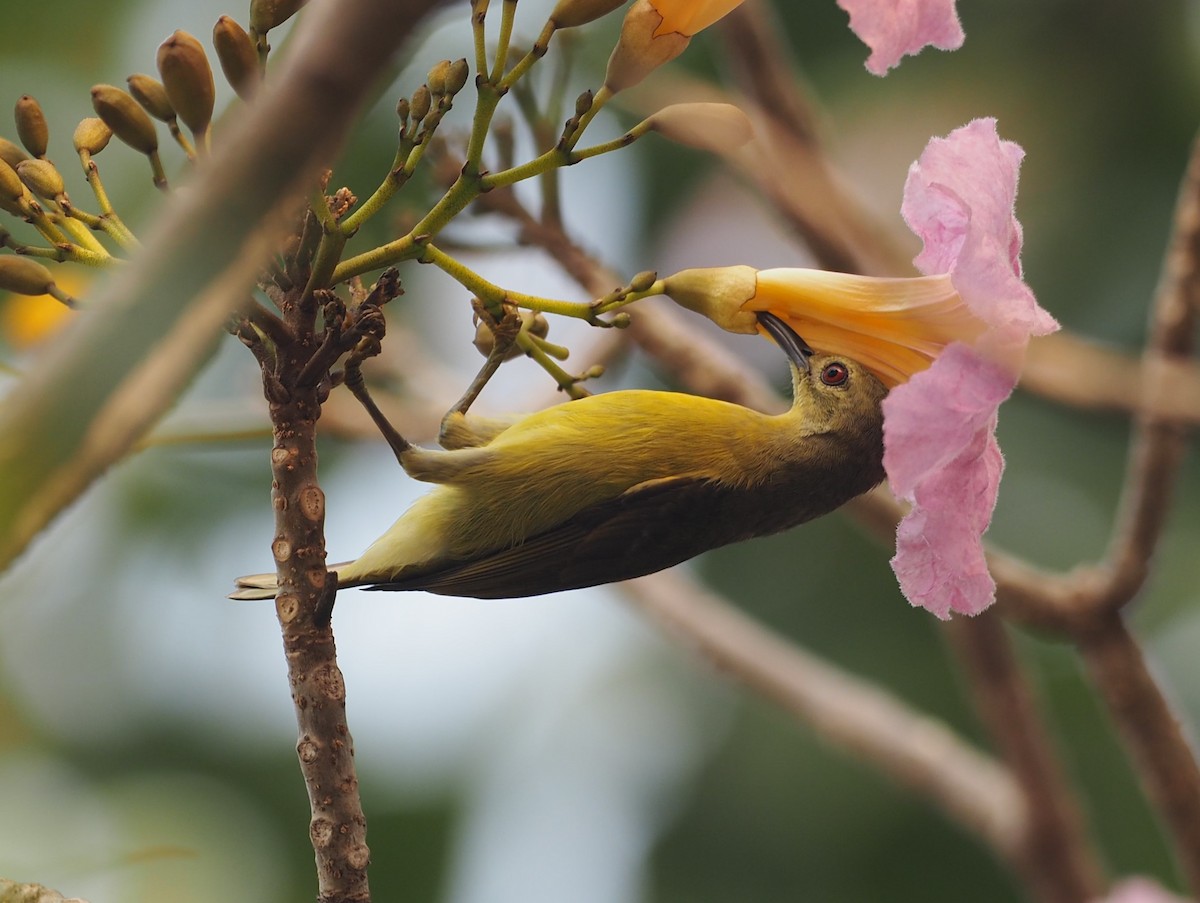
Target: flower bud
(421, 101)
(151, 94)
(31, 126)
(238, 58)
(268, 14)
(188, 79)
(640, 50)
(457, 78)
(12, 189)
(122, 114)
(584, 102)
(402, 110)
(24, 276)
(532, 322)
(42, 178)
(643, 280)
(436, 79)
(11, 153)
(718, 293)
(570, 13)
(91, 135)
(715, 127)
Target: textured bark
(325, 749)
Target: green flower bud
(570, 13)
(10, 153)
(151, 94)
(91, 135)
(31, 125)
(188, 79)
(24, 276)
(643, 280)
(268, 14)
(42, 178)
(122, 114)
(238, 58)
(421, 101)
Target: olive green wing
(649, 527)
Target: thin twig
(913, 749)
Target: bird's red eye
(835, 374)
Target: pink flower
(896, 28)
(1141, 890)
(949, 344)
(940, 449)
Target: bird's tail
(255, 586)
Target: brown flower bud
(436, 79)
(238, 58)
(91, 135)
(12, 189)
(122, 114)
(421, 100)
(570, 13)
(42, 178)
(151, 94)
(715, 127)
(639, 52)
(188, 79)
(11, 153)
(31, 125)
(24, 276)
(460, 71)
(534, 322)
(267, 14)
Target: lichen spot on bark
(287, 606)
(322, 832)
(307, 750)
(312, 503)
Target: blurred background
(559, 748)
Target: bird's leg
(503, 334)
(353, 379)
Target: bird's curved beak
(797, 350)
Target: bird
(621, 484)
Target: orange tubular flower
(687, 17)
(895, 327)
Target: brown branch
(913, 749)
(1055, 858)
(1164, 757)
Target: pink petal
(959, 199)
(895, 28)
(1141, 890)
(940, 454)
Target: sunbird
(622, 484)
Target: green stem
(78, 231)
(565, 380)
(493, 296)
(507, 14)
(395, 179)
(540, 46)
(478, 16)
